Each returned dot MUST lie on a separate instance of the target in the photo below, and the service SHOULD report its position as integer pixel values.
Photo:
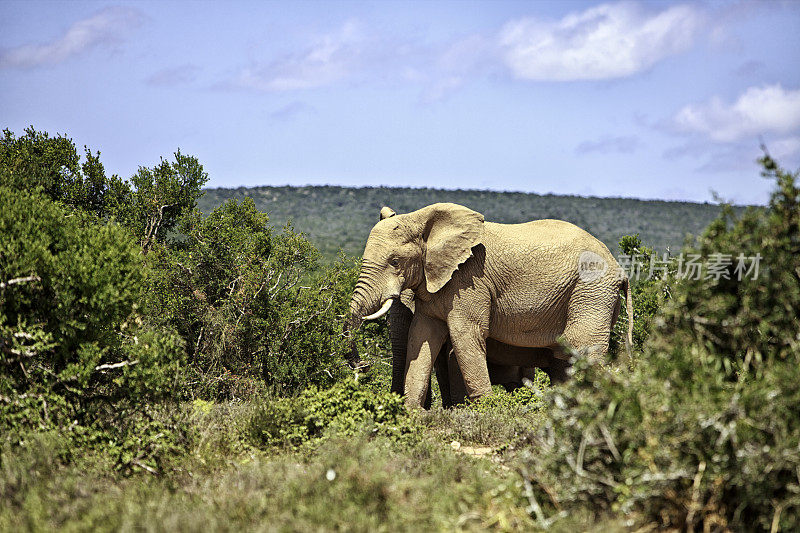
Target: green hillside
(341, 217)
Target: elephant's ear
(451, 231)
(387, 212)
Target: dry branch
(17, 281)
(109, 366)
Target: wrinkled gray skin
(519, 284)
(448, 373)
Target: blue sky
(637, 99)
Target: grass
(364, 482)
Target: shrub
(74, 350)
(745, 324)
(249, 303)
(345, 409)
(149, 205)
(157, 199)
(52, 164)
(649, 292)
(704, 431)
(528, 397)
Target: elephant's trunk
(358, 308)
(364, 302)
(351, 324)
(367, 297)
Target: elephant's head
(418, 251)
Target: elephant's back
(543, 256)
(546, 236)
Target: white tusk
(382, 311)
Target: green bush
(648, 293)
(704, 432)
(528, 397)
(250, 304)
(344, 409)
(157, 199)
(52, 164)
(745, 324)
(74, 349)
(149, 205)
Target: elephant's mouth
(380, 312)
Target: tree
(150, 204)
(52, 164)
(160, 196)
(249, 302)
(72, 338)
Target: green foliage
(528, 397)
(344, 409)
(160, 197)
(149, 205)
(249, 303)
(73, 346)
(744, 323)
(704, 432)
(649, 291)
(52, 164)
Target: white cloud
(104, 27)
(329, 59)
(626, 144)
(759, 110)
(174, 75)
(451, 68)
(291, 110)
(784, 148)
(602, 42)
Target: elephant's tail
(626, 286)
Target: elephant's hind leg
(590, 337)
(558, 368)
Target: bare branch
(153, 225)
(109, 366)
(143, 466)
(609, 441)
(272, 290)
(199, 341)
(17, 281)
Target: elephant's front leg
(425, 340)
(469, 345)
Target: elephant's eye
(394, 261)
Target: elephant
(530, 285)
(448, 373)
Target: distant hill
(341, 217)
